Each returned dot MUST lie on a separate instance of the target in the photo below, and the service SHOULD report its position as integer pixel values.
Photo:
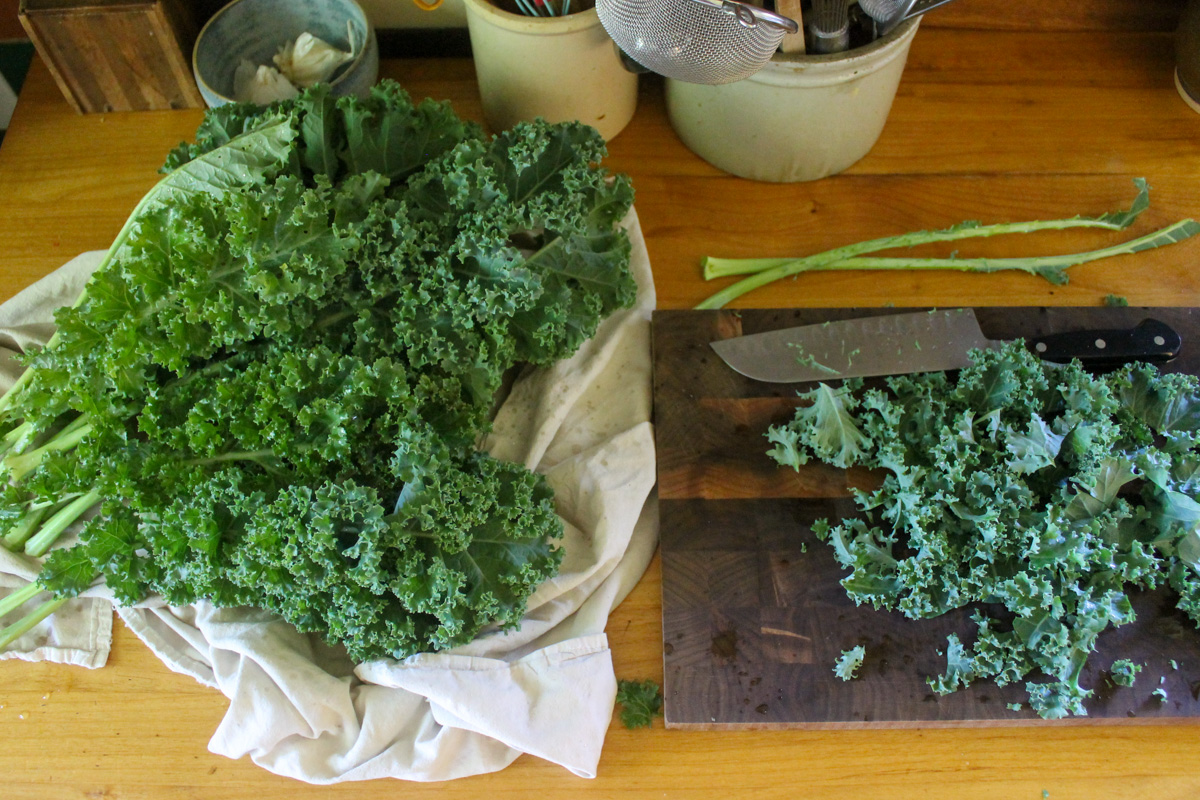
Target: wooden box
(117, 55)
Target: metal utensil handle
(921, 6)
(750, 15)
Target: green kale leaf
(272, 391)
(1040, 496)
(1124, 672)
(848, 663)
(640, 701)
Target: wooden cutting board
(753, 614)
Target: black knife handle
(1150, 340)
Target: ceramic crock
(802, 117)
(558, 68)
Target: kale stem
(764, 271)
(1032, 264)
(17, 438)
(17, 598)
(22, 464)
(14, 391)
(724, 267)
(49, 533)
(334, 318)
(845, 258)
(9, 397)
(29, 621)
(240, 455)
(18, 534)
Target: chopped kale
(640, 701)
(849, 662)
(1044, 491)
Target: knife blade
(924, 341)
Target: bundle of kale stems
(273, 390)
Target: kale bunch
(1039, 488)
(272, 391)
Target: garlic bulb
(262, 85)
(309, 60)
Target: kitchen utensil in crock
(890, 13)
(800, 118)
(829, 26)
(697, 41)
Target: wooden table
(989, 124)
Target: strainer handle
(629, 63)
(750, 15)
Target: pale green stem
(49, 533)
(17, 598)
(844, 258)
(17, 438)
(29, 621)
(9, 397)
(724, 267)
(18, 534)
(1026, 264)
(24, 463)
(240, 455)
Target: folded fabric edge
(555, 703)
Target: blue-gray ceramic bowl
(256, 29)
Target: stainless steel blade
(892, 344)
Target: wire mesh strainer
(696, 41)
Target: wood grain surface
(754, 616)
(129, 56)
(1040, 15)
(989, 124)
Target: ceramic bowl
(256, 29)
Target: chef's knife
(923, 341)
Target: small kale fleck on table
(640, 702)
(1044, 489)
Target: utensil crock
(1187, 55)
(802, 117)
(558, 68)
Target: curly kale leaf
(826, 427)
(332, 557)
(848, 663)
(1043, 489)
(272, 391)
(1124, 672)
(384, 133)
(640, 702)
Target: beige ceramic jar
(802, 117)
(558, 68)
(1187, 55)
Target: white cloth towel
(300, 708)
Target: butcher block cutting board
(754, 617)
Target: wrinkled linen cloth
(302, 709)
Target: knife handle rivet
(1040, 347)
(1160, 341)
(1101, 344)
